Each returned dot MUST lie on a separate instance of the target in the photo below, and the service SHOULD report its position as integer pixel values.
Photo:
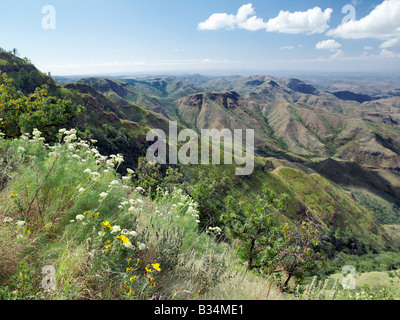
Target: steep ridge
(291, 131)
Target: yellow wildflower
(148, 270)
(107, 224)
(123, 239)
(156, 266)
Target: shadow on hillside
(351, 174)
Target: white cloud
(390, 43)
(368, 48)
(328, 45)
(229, 21)
(310, 22)
(287, 48)
(382, 23)
(389, 54)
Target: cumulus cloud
(244, 19)
(390, 43)
(328, 45)
(382, 23)
(389, 54)
(310, 22)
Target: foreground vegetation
(65, 206)
(75, 224)
(72, 228)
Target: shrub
(21, 114)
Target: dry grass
(10, 250)
(239, 287)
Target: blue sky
(209, 37)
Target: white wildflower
(142, 246)
(20, 223)
(116, 229)
(8, 220)
(103, 195)
(128, 245)
(133, 233)
(36, 133)
(80, 217)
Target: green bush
(21, 113)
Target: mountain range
(336, 152)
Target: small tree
(299, 253)
(266, 245)
(205, 192)
(254, 224)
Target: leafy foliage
(266, 245)
(21, 114)
(149, 176)
(205, 191)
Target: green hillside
(325, 160)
